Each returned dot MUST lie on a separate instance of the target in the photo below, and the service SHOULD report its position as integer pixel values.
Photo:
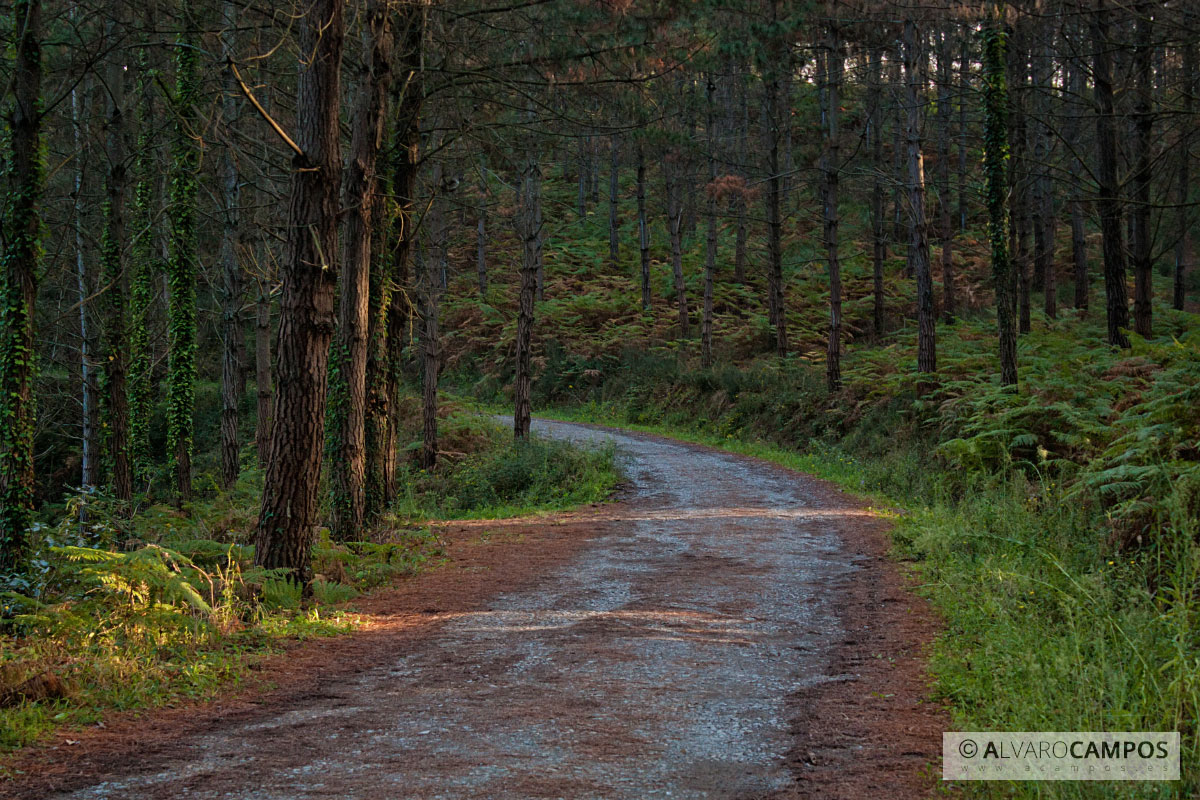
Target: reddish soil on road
(729, 629)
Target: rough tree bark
(347, 470)
(528, 222)
(289, 502)
(1183, 244)
(710, 237)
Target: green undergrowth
(165, 606)
(1054, 529)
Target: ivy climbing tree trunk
(995, 168)
(348, 395)
(283, 538)
(21, 227)
(390, 305)
(144, 263)
(181, 268)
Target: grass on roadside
(126, 613)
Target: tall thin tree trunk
(1109, 200)
(833, 71)
(390, 304)
(918, 254)
(1019, 170)
(614, 178)
(21, 227)
(741, 235)
(522, 381)
(112, 255)
(481, 231)
(262, 372)
(284, 535)
(874, 122)
(674, 192)
(1183, 244)
(347, 470)
(964, 85)
(995, 166)
(1141, 246)
(946, 226)
(181, 267)
(1079, 257)
(710, 239)
(1044, 226)
(88, 428)
(231, 289)
(643, 227)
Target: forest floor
(729, 628)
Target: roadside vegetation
(1055, 527)
(166, 606)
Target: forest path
(730, 629)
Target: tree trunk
(262, 372)
(231, 295)
(945, 219)
(995, 166)
(181, 270)
(918, 251)
(614, 177)
(643, 227)
(874, 121)
(1108, 200)
(741, 235)
(1043, 188)
(289, 505)
(675, 231)
(21, 225)
(1141, 246)
(347, 471)
(481, 231)
(145, 269)
(88, 441)
(1079, 258)
(776, 311)
(581, 199)
(831, 166)
(710, 239)
(1183, 244)
(522, 382)
(1019, 170)
(964, 85)
(390, 307)
(112, 250)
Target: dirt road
(729, 629)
